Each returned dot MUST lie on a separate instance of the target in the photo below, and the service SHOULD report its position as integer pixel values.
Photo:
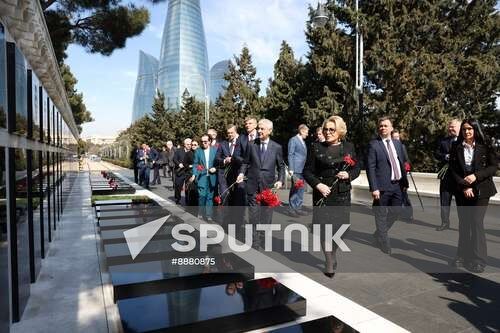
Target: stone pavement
(68, 295)
(396, 287)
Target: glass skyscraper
(183, 55)
(217, 82)
(145, 86)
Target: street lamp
(320, 18)
(207, 113)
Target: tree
(328, 85)
(190, 120)
(241, 98)
(98, 26)
(78, 108)
(282, 104)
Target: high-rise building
(217, 82)
(145, 86)
(183, 55)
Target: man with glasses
(204, 172)
(180, 169)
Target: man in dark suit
(229, 160)
(387, 180)
(180, 169)
(134, 157)
(446, 182)
(250, 135)
(261, 160)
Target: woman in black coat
(473, 164)
(330, 177)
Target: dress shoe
(475, 267)
(458, 262)
(302, 212)
(329, 275)
(292, 213)
(443, 227)
(386, 249)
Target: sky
(107, 83)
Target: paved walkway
(68, 295)
(417, 301)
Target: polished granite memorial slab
(112, 202)
(119, 253)
(329, 324)
(110, 191)
(155, 277)
(230, 307)
(130, 211)
(128, 222)
(130, 214)
(116, 236)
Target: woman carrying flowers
(329, 169)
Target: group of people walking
(236, 171)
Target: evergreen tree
(75, 98)
(282, 104)
(241, 98)
(190, 120)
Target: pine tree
(241, 98)
(282, 104)
(191, 119)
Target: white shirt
(231, 145)
(468, 153)
(252, 135)
(207, 154)
(394, 154)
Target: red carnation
(267, 283)
(200, 167)
(268, 198)
(407, 166)
(218, 200)
(299, 184)
(349, 160)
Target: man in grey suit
(260, 162)
(387, 180)
(297, 155)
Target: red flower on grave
(267, 283)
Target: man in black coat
(442, 154)
(180, 169)
(387, 180)
(134, 158)
(263, 156)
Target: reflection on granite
(232, 307)
(131, 212)
(117, 236)
(329, 324)
(147, 278)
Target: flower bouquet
(268, 197)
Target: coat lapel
(382, 146)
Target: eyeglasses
(329, 129)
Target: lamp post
(206, 111)
(321, 17)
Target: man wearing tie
(229, 160)
(261, 160)
(250, 135)
(387, 180)
(297, 154)
(205, 173)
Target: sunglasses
(329, 129)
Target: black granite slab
(127, 222)
(119, 253)
(130, 211)
(329, 324)
(132, 215)
(155, 277)
(116, 236)
(110, 191)
(113, 202)
(232, 307)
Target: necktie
(231, 148)
(395, 167)
(262, 150)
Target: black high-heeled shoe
(330, 274)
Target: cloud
(155, 31)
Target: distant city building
(100, 140)
(145, 86)
(217, 82)
(183, 55)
